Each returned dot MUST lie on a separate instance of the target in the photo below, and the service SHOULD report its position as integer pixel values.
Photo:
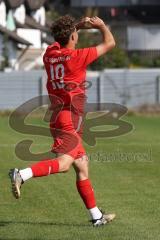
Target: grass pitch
(126, 177)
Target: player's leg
(86, 192)
(64, 143)
(60, 164)
(84, 186)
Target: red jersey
(66, 71)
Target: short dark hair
(62, 29)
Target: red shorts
(66, 129)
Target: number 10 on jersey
(57, 75)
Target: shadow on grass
(58, 224)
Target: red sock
(86, 192)
(45, 168)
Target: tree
(116, 58)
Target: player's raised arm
(95, 22)
(108, 39)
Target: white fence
(128, 87)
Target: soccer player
(66, 69)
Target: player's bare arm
(108, 40)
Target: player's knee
(81, 167)
(65, 163)
(84, 162)
(82, 175)
(65, 167)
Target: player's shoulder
(78, 52)
(81, 51)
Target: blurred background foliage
(118, 57)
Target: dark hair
(62, 29)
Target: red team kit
(66, 71)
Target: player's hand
(85, 19)
(84, 23)
(96, 22)
(88, 23)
